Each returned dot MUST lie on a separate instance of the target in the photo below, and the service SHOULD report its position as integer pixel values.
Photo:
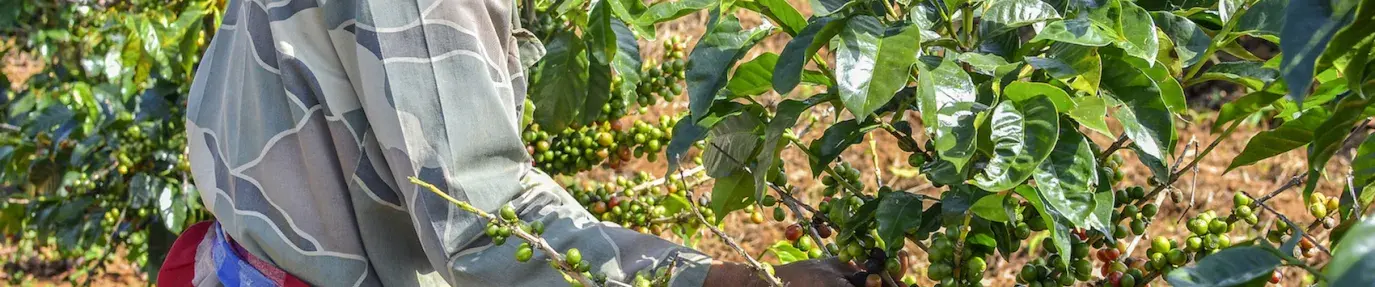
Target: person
(306, 118)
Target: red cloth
(179, 269)
(180, 266)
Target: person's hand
(829, 272)
(816, 272)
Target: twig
(1286, 219)
(1293, 181)
(663, 180)
(873, 151)
(1174, 175)
(758, 268)
(9, 127)
(1103, 157)
(534, 240)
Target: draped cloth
(306, 117)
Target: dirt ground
(1210, 189)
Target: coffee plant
(995, 102)
(1005, 96)
(92, 145)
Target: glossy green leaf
(784, 14)
(1072, 62)
(731, 193)
(948, 107)
(787, 253)
(668, 10)
(1021, 91)
(1309, 25)
(1059, 228)
(897, 213)
(559, 88)
(1091, 112)
(601, 47)
(731, 143)
(685, 134)
(1189, 40)
(1363, 170)
(627, 61)
(753, 77)
(1253, 75)
(1362, 25)
(1023, 134)
(1003, 16)
(1288, 136)
(1171, 92)
(1139, 31)
(1146, 120)
(828, 7)
(1328, 138)
(986, 64)
(1066, 178)
(1078, 31)
(1236, 266)
(835, 140)
(800, 49)
(1354, 256)
(1244, 106)
(875, 66)
(783, 119)
(991, 208)
(1263, 19)
(724, 43)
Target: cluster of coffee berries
(1061, 267)
(848, 177)
(500, 230)
(1165, 254)
(1320, 206)
(577, 149)
(799, 239)
(663, 78)
(1209, 233)
(1137, 218)
(628, 201)
(951, 268)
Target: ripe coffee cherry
(1275, 277)
(1115, 278)
(822, 230)
(793, 232)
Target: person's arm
(443, 104)
(441, 96)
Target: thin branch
(758, 268)
(1174, 176)
(534, 240)
(1286, 219)
(1103, 157)
(664, 180)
